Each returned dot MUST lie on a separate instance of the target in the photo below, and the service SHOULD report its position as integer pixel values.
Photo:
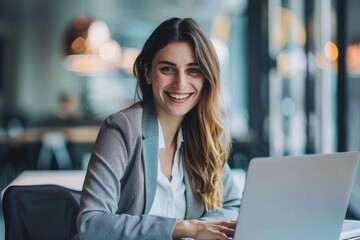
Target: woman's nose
(180, 81)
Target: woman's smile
(178, 96)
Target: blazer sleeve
(231, 199)
(99, 216)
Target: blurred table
(45, 148)
(72, 179)
(82, 134)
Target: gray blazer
(121, 180)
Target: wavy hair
(206, 147)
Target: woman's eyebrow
(194, 64)
(167, 63)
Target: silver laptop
(297, 198)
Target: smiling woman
(158, 168)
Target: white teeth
(179, 96)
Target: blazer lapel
(150, 151)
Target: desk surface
(82, 134)
(72, 179)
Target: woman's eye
(167, 69)
(194, 71)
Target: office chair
(40, 212)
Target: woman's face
(176, 80)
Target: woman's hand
(197, 229)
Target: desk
(350, 230)
(74, 179)
(71, 179)
(47, 148)
(81, 134)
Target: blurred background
(290, 75)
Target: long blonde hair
(206, 141)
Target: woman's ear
(147, 75)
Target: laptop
(297, 197)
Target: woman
(158, 168)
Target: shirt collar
(161, 137)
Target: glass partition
(351, 84)
(302, 77)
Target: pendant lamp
(89, 48)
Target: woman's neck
(169, 129)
